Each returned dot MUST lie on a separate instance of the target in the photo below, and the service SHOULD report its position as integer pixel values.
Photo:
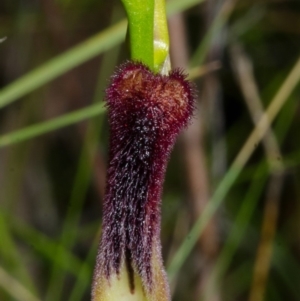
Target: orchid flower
(148, 106)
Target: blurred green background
(230, 210)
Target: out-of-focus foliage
(52, 185)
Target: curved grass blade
(51, 125)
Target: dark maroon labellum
(146, 113)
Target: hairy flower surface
(146, 113)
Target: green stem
(148, 33)
(140, 15)
(51, 125)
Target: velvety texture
(146, 113)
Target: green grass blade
(11, 255)
(83, 280)
(217, 24)
(288, 267)
(46, 247)
(15, 288)
(57, 66)
(241, 279)
(51, 125)
(238, 230)
(191, 239)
